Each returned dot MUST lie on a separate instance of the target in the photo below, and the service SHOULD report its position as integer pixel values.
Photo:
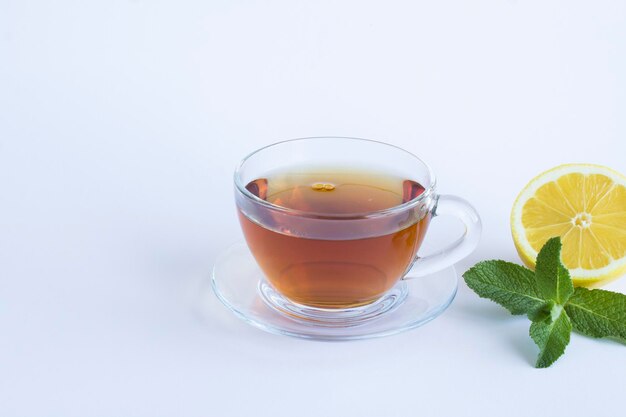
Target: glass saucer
(240, 285)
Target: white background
(121, 123)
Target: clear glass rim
(368, 214)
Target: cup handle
(450, 205)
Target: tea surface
(335, 191)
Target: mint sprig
(549, 299)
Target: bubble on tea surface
(258, 187)
(323, 186)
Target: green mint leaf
(598, 313)
(551, 335)
(508, 284)
(542, 312)
(553, 278)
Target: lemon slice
(585, 205)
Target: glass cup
(341, 266)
